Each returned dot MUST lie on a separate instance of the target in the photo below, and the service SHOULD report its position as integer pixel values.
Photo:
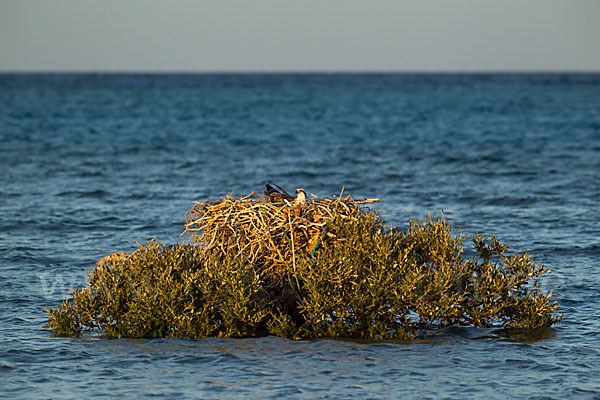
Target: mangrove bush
(322, 268)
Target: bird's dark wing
(270, 190)
(275, 196)
(285, 194)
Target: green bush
(348, 277)
(161, 291)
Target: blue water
(92, 164)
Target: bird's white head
(300, 195)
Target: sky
(299, 35)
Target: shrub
(325, 268)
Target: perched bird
(281, 196)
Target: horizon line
(299, 72)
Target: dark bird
(275, 196)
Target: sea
(96, 163)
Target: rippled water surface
(90, 164)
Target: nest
(272, 236)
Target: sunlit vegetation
(325, 268)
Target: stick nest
(270, 235)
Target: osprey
(276, 196)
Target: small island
(316, 268)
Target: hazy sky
(299, 35)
